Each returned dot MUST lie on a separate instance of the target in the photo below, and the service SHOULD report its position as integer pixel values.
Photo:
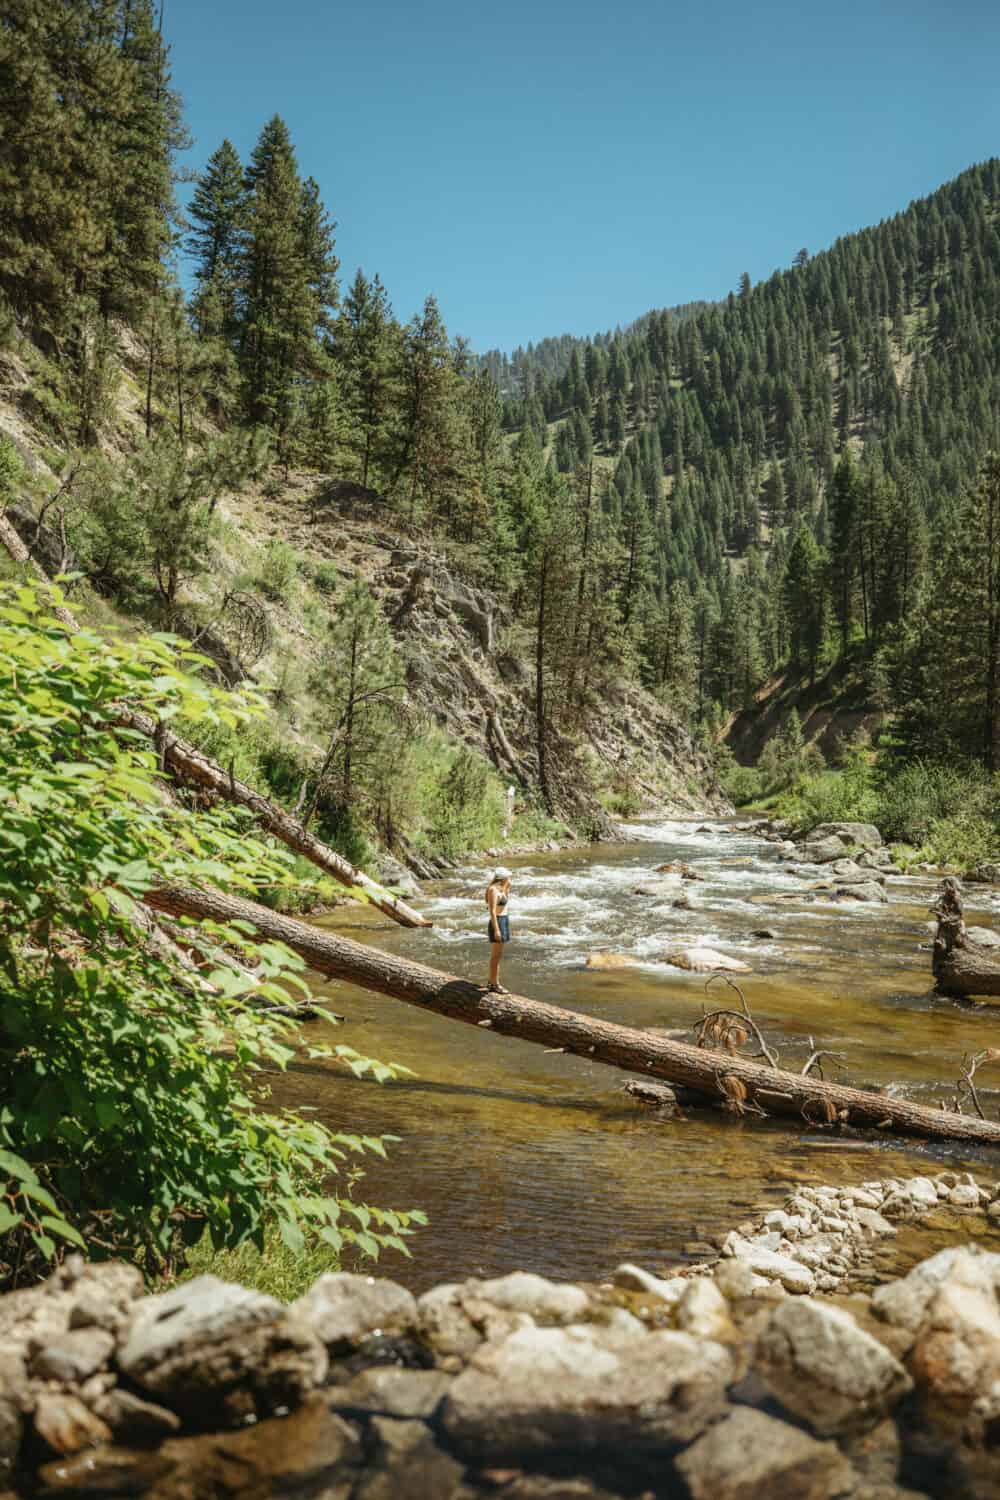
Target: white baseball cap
(501, 873)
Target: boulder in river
(863, 835)
(822, 851)
(984, 936)
(665, 887)
(864, 890)
(704, 961)
(609, 961)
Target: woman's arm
(491, 902)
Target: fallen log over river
(737, 1081)
(959, 965)
(187, 763)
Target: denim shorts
(503, 927)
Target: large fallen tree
(960, 966)
(187, 763)
(738, 1081)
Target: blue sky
(551, 167)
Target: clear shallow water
(525, 1159)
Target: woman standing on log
(498, 928)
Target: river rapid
(524, 1159)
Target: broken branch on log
(647, 1053)
(727, 1026)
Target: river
(525, 1159)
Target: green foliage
(466, 805)
(11, 471)
(326, 578)
(786, 758)
(917, 798)
(279, 572)
(135, 1114)
(275, 1270)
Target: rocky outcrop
(729, 1380)
(483, 695)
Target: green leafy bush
(134, 1116)
(467, 806)
(325, 577)
(742, 784)
(919, 794)
(279, 572)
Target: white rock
(794, 1276)
(545, 1301)
(904, 1303)
(862, 1198)
(964, 1195)
(833, 1225)
(704, 1313)
(736, 1281)
(873, 1223)
(922, 1192)
(827, 1370)
(635, 1279)
(699, 960)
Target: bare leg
(496, 953)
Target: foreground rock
(727, 1380)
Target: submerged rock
(704, 960)
(610, 961)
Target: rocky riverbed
(737, 1378)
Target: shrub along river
(538, 1161)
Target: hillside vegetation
(317, 492)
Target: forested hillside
(247, 463)
(790, 473)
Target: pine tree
(218, 212)
(288, 283)
(804, 599)
(367, 356)
(843, 510)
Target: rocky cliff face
(465, 676)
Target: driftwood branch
(731, 1027)
(646, 1053)
(967, 1078)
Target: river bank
(735, 1379)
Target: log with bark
(959, 965)
(739, 1082)
(187, 763)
